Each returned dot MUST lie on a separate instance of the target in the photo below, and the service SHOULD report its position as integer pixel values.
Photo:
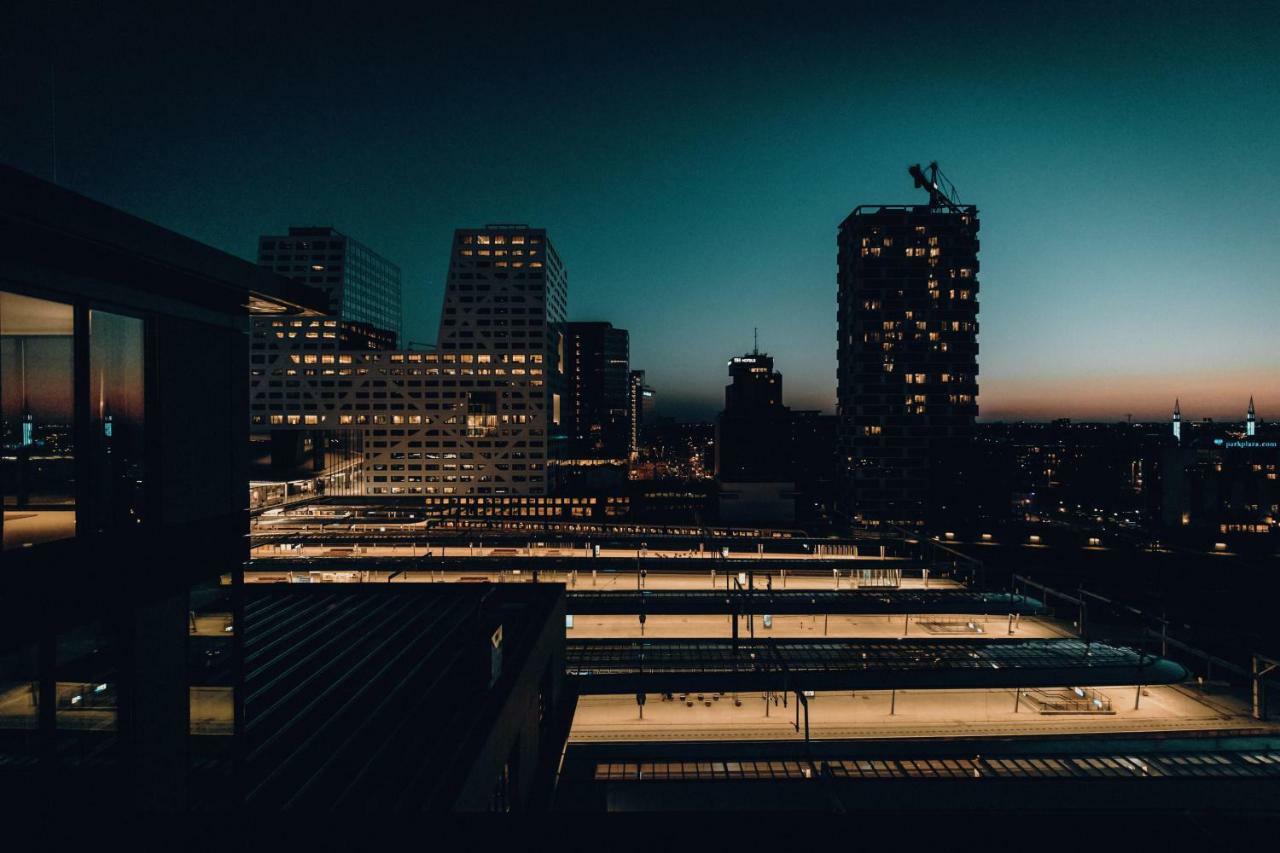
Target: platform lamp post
(1262, 666)
(1142, 653)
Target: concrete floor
(916, 713)
(32, 527)
(212, 625)
(18, 705)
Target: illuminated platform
(628, 666)
(370, 570)
(779, 602)
(816, 626)
(904, 715)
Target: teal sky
(692, 168)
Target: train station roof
(614, 666)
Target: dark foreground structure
(123, 367)
(137, 672)
(382, 698)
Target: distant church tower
(1177, 420)
(1251, 421)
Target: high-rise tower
(1177, 420)
(907, 349)
(597, 380)
(509, 291)
(1251, 421)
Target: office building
(480, 415)
(597, 364)
(907, 351)
(363, 287)
(363, 313)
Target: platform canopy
(627, 665)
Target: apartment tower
(907, 352)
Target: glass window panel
(37, 451)
(116, 419)
(19, 689)
(86, 684)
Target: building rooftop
(46, 225)
(378, 697)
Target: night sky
(692, 167)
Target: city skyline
(695, 170)
(777, 414)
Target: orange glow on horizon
(1221, 396)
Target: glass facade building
(362, 286)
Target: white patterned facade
(478, 416)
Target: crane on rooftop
(942, 193)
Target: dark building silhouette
(130, 343)
(137, 671)
(753, 433)
(773, 465)
(1219, 482)
(815, 466)
(597, 384)
(907, 350)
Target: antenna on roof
(942, 193)
(755, 340)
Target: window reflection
(86, 680)
(116, 420)
(19, 693)
(37, 452)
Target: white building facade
(478, 416)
